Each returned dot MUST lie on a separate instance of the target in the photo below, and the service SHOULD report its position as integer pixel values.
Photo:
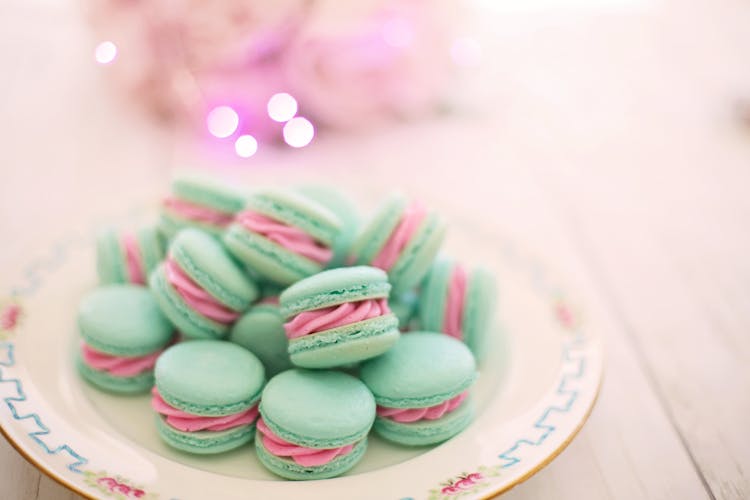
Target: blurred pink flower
(348, 64)
(361, 78)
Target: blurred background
(612, 136)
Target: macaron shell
(170, 224)
(151, 247)
(422, 369)
(190, 323)
(206, 261)
(123, 320)
(434, 295)
(210, 192)
(119, 385)
(426, 432)
(479, 310)
(345, 345)
(289, 469)
(261, 331)
(405, 306)
(109, 258)
(317, 409)
(376, 233)
(209, 377)
(299, 211)
(418, 255)
(343, 207)
(270, 260)
(333, 287)
(204, 442)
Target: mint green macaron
(409, 233)
(261, 331)
(405, 306)
(206, 396)
(314, 424)
(338, 317)
(200, 202)
(122, 331)
(339, 204)
(283, 236)
(128, 256)
(459, 303)
(200, 288)
(421, 388)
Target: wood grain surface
(602, 134)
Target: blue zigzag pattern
(43, 430)
(34, 273)
(547, 428)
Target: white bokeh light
(282, 107)
(298, 132)
(222, 121)
(466, 51)
(105, 52)
(246, 146)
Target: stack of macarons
(273, 316)
(123, 332)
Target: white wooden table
(601, 133)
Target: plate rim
(485, 496)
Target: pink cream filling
(118, 366)
(196, 297)
(133, 259)
(388, 255)
(326, 318)
(306, 457)
(187, 422)
(289, 237)
(198, 213)
(406, 415)
(454, 303)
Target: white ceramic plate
(538, 383)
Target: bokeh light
(282, 107)
(222, 121)
(398, 32)
(466, 51)
(246, 146)
(298, 132)
(105, 52)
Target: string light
(298, 132)
(246, 146)
(282, 107)
(105, 52)
(222, 121)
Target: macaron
(336, 202)
(338, 317)
(199, 202)
(123, 332)
(459, 303)
(313, 424)
(261, 331)
(421, 388)
(403, 239)
(128, 256)
(404, 306)
(283, 235)
(199, 287)
(206, 396)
